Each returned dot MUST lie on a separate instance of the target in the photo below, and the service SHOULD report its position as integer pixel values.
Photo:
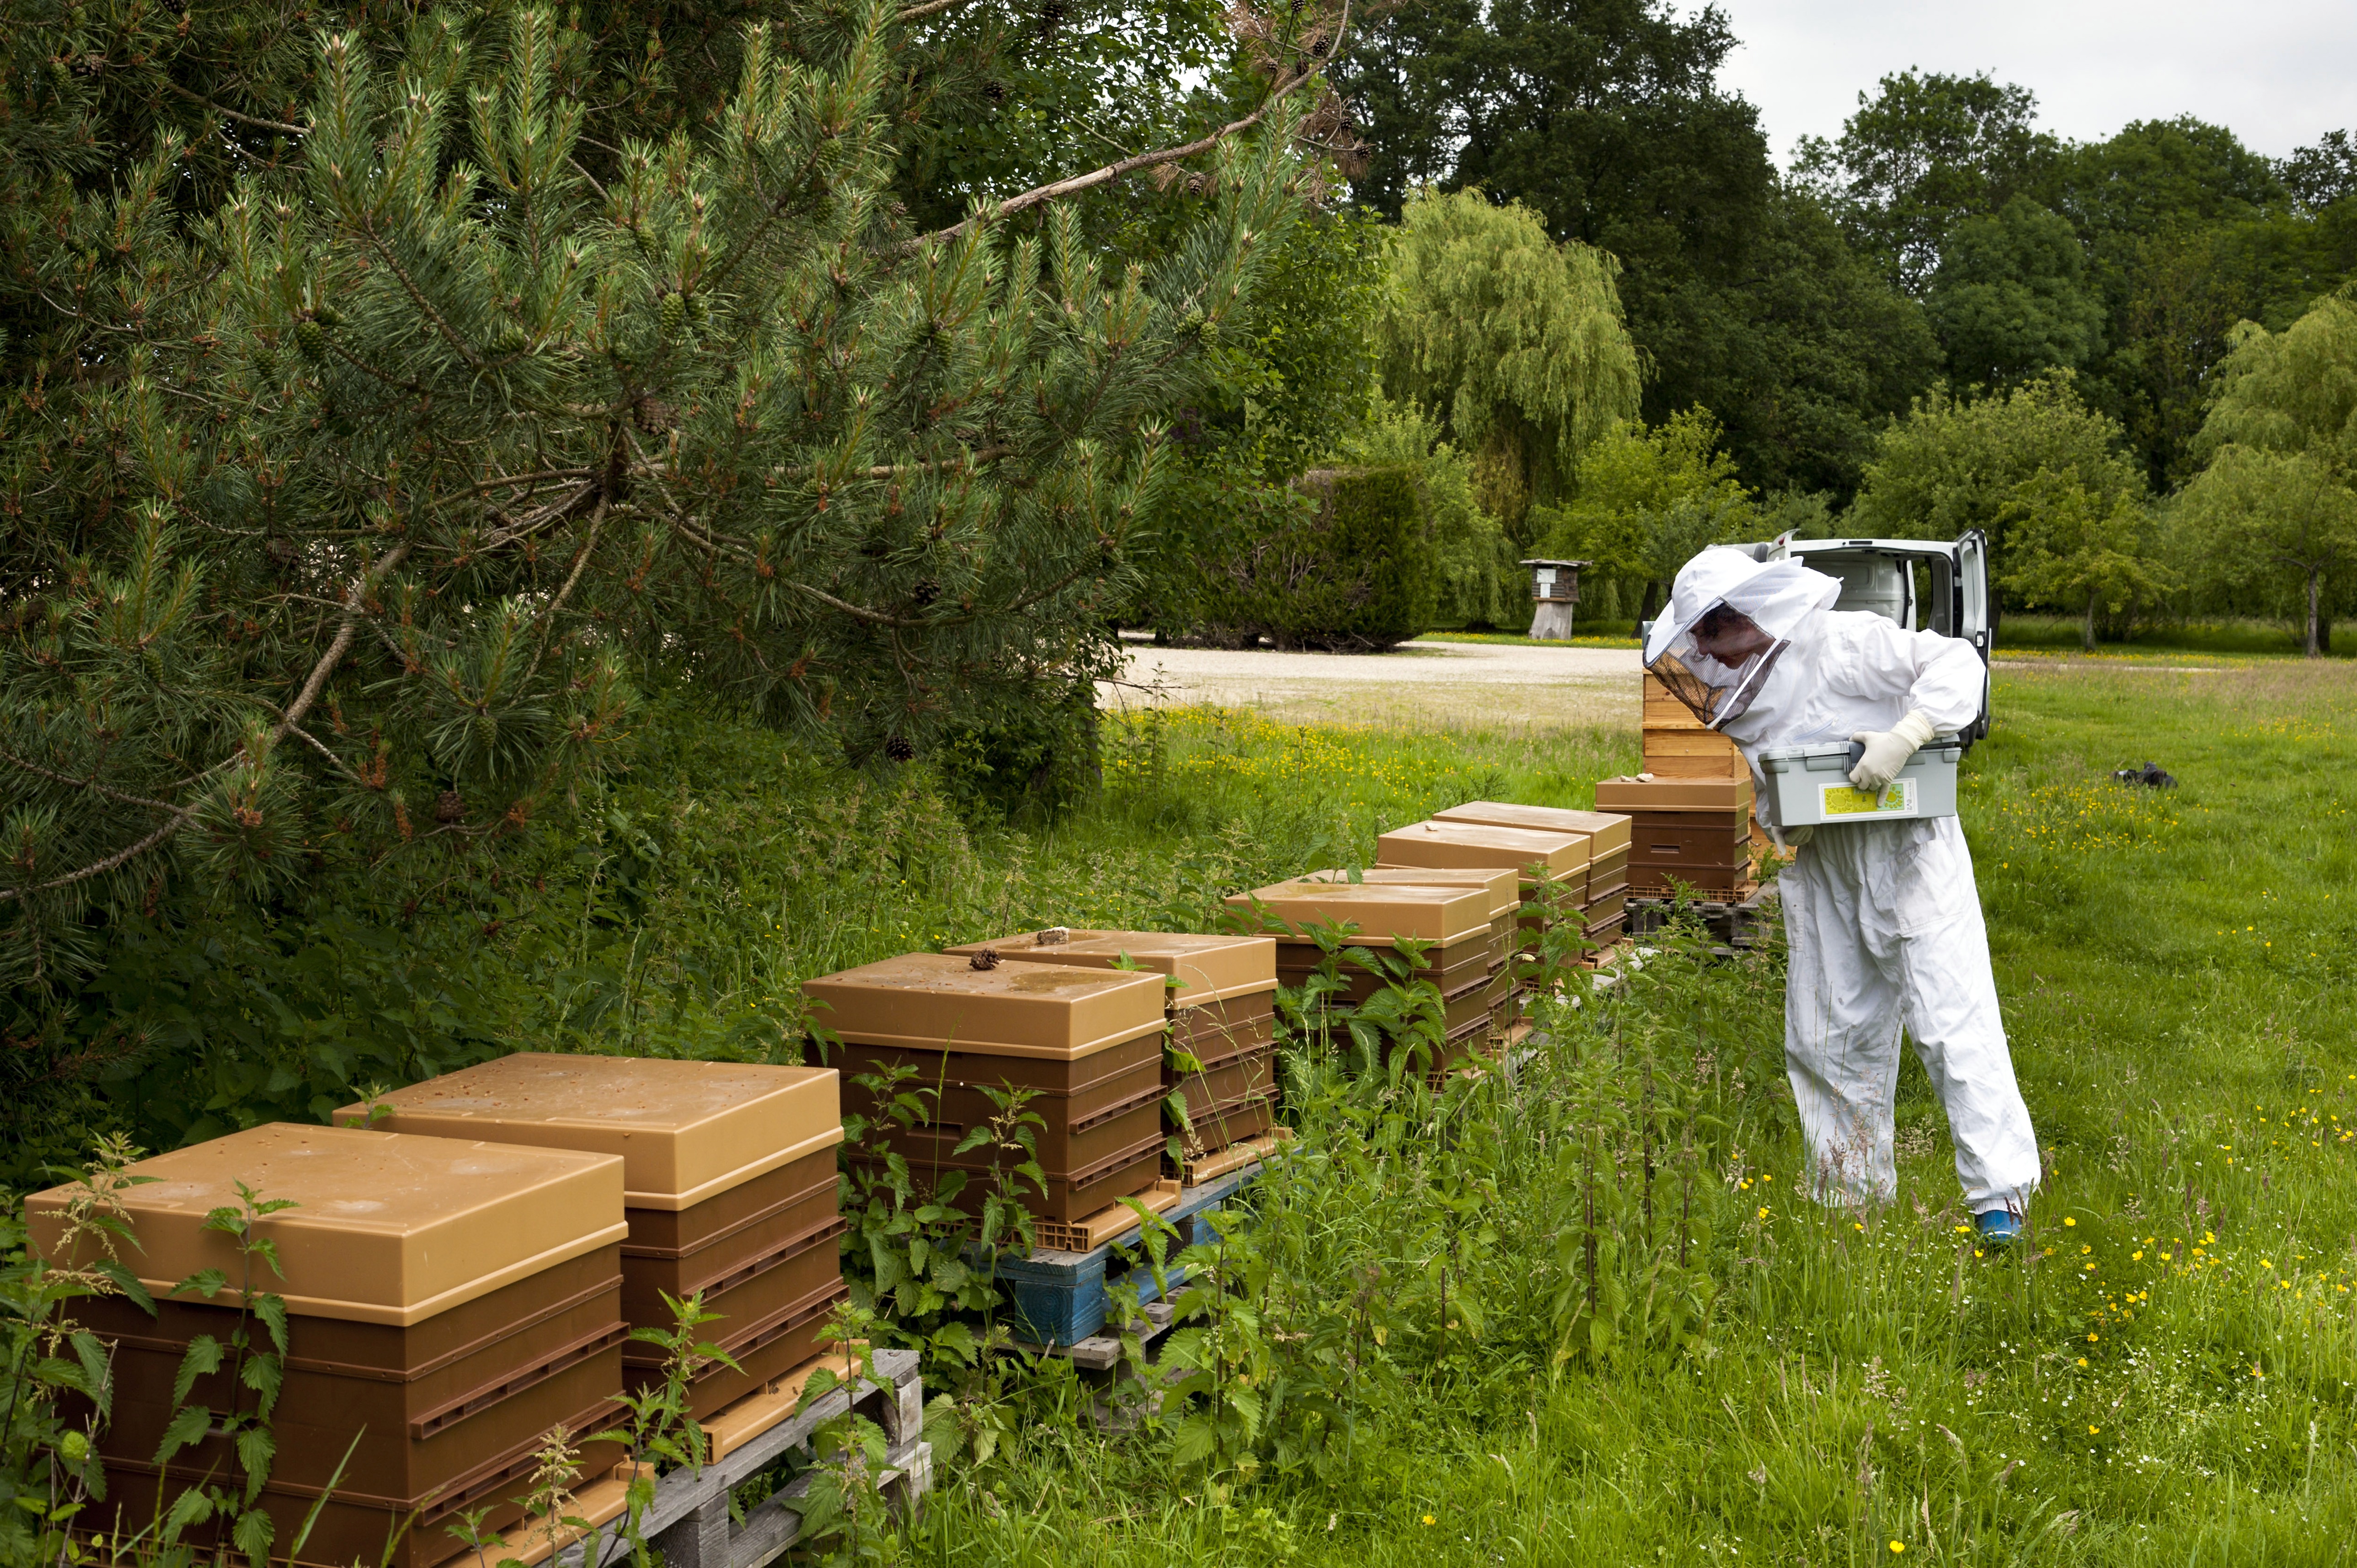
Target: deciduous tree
(1512, 344)
(2010, 300)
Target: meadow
(1575, 1313)
(2163, 1374)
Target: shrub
(1354, 568)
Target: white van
(1922, 584)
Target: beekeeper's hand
(1793, 838)
(1887, 751)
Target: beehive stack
(448, 1302)
(1677, 746)
(1694, 831)
(1085, 1043)
(1552, 866)
(1505, 891)
(730, 1186)
(1460, 956)
(1607, 834)
(1222, 1056)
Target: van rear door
(1972, 609)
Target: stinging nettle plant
(373, 443)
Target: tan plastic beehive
(1208, 968)
(1606, 831)
(1438, 844)
(1424, 911)
(685, 1131)
(388, 1228)
(930, 1001)
(1634, 795)
(1504, 884)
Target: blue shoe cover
(1999, 1226)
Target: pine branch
(13, 760)
(229, 113)
(1113, 171)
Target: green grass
(2020, 633)
(2234, 638)
(2175, 968)
(1510, 639)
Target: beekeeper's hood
(1730, 617)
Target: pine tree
(387, 406)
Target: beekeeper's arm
(1934, 681)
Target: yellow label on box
(1843, 800)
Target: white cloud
(2277, 72)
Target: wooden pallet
(1102, 1352)
(1735, 924)
(726, 1431)
(1107, 1224)
(689, 1520)
(602, 1501)
(1062, 1296)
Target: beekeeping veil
(1719, 595)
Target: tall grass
(1413, 1358)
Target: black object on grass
(2150, 775)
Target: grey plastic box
(1811, 786)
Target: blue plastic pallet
(1061, 1298)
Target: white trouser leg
(1842, 1008)
(1951, 1015)
(1884, 928)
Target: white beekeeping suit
(1882, 918)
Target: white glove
(1887, 751)
(1793, 838)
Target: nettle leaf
(51, 1371)
(256, 1448)
(188, 1425)
(253, 1532)
(272, 1310)
(134, 1289)
(98, 1369)
(263, 1374)
(201, 1360)
(206, 1283)
(192, 1507)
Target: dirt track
(1425, 685)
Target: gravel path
(1427, 683)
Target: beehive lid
(1209, 968)
(1473, 844)
(1505, 885)
(1640, 794)
(1424, 911)
(388, 1228)
(1606, 831)
(936, 1001)
(685, 1131)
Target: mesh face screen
(1715, 693)
(1697, 693)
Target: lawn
(2163, 1375)
(1581, 1316)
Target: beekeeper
(1882, 920)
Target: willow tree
(2276, 510)
(1514, 345)
(388, 406)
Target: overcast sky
(2278, 72)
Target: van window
(1876, 583)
